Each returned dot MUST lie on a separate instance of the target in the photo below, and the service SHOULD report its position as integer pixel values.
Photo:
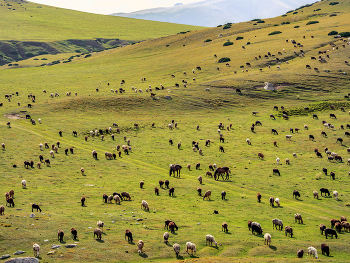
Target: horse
(175, 168)
(221, 171)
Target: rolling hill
(88, 93)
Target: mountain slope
(214, 12)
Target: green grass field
(58, 188)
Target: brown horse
(175, 168)
(221, 171)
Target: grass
(59, 187)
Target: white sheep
(176, 248)
(248, 141)
(144, 205)
(100, 224)
(191, 246)
(117, 199)
(214, 166)
(39, 120)
(140, 90)
(96, 132)
(277, 201)
(219, 130)
(267, 239)
(194, 149)
(166, 237)
(335, 194)
(82, 170)
(36, 249)
(91, 133)
(312, 252)
(288, 137)
(140, 245)
(52, 154)
(110, 129)
(294, 155)
(3, 146)
(41, 146)
(207, 89)
(278, 160)
(24, 184)
(287, 161)
(135, 90)
(210, 239)
(112, 90)
(170, 126)
(306, 127)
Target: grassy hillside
(58, 188)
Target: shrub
(296, 12)
(15, 64)
(228, 43)
(296, 26)
(9, 65)
(238, 38)
(345, 34)
(224, 59)
(332, 33)
(77, 51)
(44, 59)
(35, 59)
(208, 40)
(312, 22)
(284, 15)
(43, 53)
(255, 24)
(166, 45)
(241, 66)
(333, 15)
(88, 55)
(318, 9)
(275, 33)
(29, 55)
(226, 27)
(285, 23)
(260, 21)
(219, 26)
(333, 3)
(248, 43)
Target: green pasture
(58, 188)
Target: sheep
(249, 142)
(117, 199)
(141, 184)
(37, 207)
(223, 195)
(144, 205)
(334, 221)
(278, 160)
(200, 179)
(277, 223)
(41, 146)
(207, 195)
(289, 230)
(140, 245)
(315, 193)
(277, 201)
(36, 249)
(322, 228)
(199, 190)
(52, 154)
(259, 197)
(176, 248)
(343, 218)
(2, 210)
(298, 218)
(272, 200)
(74, 233)
(335, 194)
(312, 252)
(267, 239)
(100, 224)
(109, 199)
(166, 237)
(210, 239)
(288, 137)
(129, 235)
(325, 249)
(24, 184)
(191, 246)
(60, 235)
(300, 253)
(306, 127)
(296, 194)
(98, 233)
(330, 231)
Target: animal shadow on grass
(297, 199)
(273, 248)
(100, 240)
(194, 256)
(180, 257)
(63, 242)
(278, 207)
(143, 255)
(168, 244)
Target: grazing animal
(144, 205)
(129, 235)
(333, 222)
(298, 218)
(250, 224)
(156, 191)
(82, 200)
(335, 194)
(256, 228)
(199, 190)
(221, 171)
(175, 168)
(191, 246)
(37, 207)
(223, 195)
(166, 237)
(272, 201)
(224, 227)
(2, 210)
(100, 224)
(260, 156)
(322, 228)
(267, 239)
(210, 239)
(171, 191)
(330, 231)
(176, 248)
(325, 249)
(167, 184)
(315, 194)
(277, 201)
(289, 230)
(276, 171)
(277, 223)
(161, 183)
(325, 191)
(126, 195)
(259, 197)
(300, 253)
(74, 233)
(311, 251)
(36, 249)
(98, 233)
(296, 194)
(60, 235)
(207, 195)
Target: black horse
(175, 168)
(221, 171)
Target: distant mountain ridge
(211, 13)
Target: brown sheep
(141, 184)
(322, 228)
(207, 195)
(298, 218)
(12, 193)
(2, 210)
(224, 227)
(199, 190)
(343, 218)
(260, 156)
(259, 197)
(74, 233)
(156, 190)
(82, 199)
(126, 195)
(98, 233)
(60, 235)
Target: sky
(111, 6)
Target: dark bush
(29, 55)
(44, 59)
(332, 33)
(312, 22)
(219, 26)
(296, 12)
(345, 34)
(318, 9)
(224, 59)
(275, 25)
(228, 43)
(296, 26)
(241, 66)
(275, 33)
(88, 55)
(238, 38)
(43, 53)
(13, 52)
(260, 21)
(15, 64)
(77, 51)
(285, 23)
(248, 43)
(35, 59)
(333, 3)
(255, 24)
(226, 27)
(208, 40)
(166, 45)
(9, 65)
(284, 15)
(333, 15)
